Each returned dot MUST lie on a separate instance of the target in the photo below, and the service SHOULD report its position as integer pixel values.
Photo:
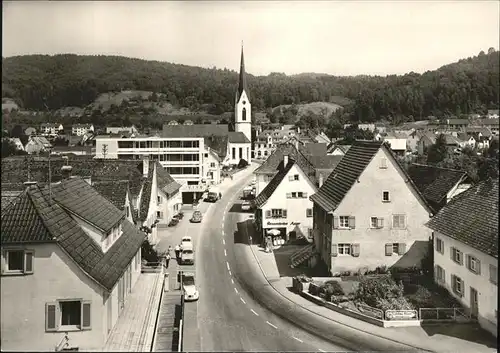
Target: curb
(323, 316)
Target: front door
(474, 302)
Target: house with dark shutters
(466, 251)
(369, 213)
(70, 258)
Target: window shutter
(284, 214)
(352, 222)
(388, 249)
(335, 251)
(478, 264)
(86, 315)
(268, 214)
(290, 178)
(304, 195)
(335, 222)
(401, 248)
(355, 250)
(462, 259)
(28, 262)
(452, 253)
(380, 222)
(51, 317)
(444, 276)
(462, 288)
(288, 195)
(436, 273)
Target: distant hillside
(43, 82)
(317, 108)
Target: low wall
(359, 316)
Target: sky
(333, 37)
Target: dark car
(212, 197)
(197, 217)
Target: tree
(438, 151)
(17, 131)
(8, 148)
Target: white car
(187, 243)
(190, 291)
(246, 206)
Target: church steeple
(242, 86)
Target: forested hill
(41, 82)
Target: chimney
(66, 171)
(145, 166)
(321, 179)
(285, 160)
(88, 179)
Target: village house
(397, 142)
(118, 193)
(465, 140)
(69, 262)
(16, 141)
(30, 131)
(361, 126)
(76, 150)
(81, 129)
(337, 150)
(466, 251)
(481, 131)
(369, 213)
(438, 185)
(429, 139)
(120, 129)
(455, 123)
(491, 123)
(268, 140)
(492, 114)
(37, 144)
(50, 129)
(284, 204)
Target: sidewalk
(441, 338)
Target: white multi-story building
(466, 251)
(50, 128)
(81, 129)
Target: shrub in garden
(332, 288)
(314, 289)
(242, 164)
(149, 253)
(371, 290)
(393, 304)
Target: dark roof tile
(472, 218)
(273, 184)
(237, 137)
(113, 191)
(313, 149)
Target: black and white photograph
(250, 176)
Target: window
(395, 248)
(439, 246)
(309, 212)
(127, 211)
(302, 195)
(294, 195)
(398, 221)
(383, 163)
(18, 262)
(68, 315)
(159, 199)
(294, 177)
(385, 196)
(493, 274)
(212, 165)
(376, 223)
(159, 214)
(276, 213)
(457, 285)
(244, 113)
(206, 155)
(440, 274)
(233, 150)
(473, 264)
(344, 249)
(344, 222)
(457, 256)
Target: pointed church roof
(242, 85)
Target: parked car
(179, 215)
(188, 284)
(173, 222)
(246, 206)
(187, 243)
(187, 256)
(212, 197)
(197, 217)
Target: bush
(242, 164)
(332, 288)
(337, 299)
(393, 304)
(372, 290)
(304, 278)
(314, 289)
(149, 253)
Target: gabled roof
(113, 191)
(165, 181)
(275, 160)
(313, 149)
(237, 137)
(324, 162)
(349, 169)
(273, 184)
(242, 83)
(343, 148)
(476, 129)
(218, 144)
(196, 130)
(434, 182)
(34, 219)
(472, 218)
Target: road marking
(235, 290)
(223, 241)
(232, 281)
(321, 350)
(225, 252)
(222, 224)
(227, 264)
(298, 339)
(222, 232)
(229, 272)
(267, 322)
(253, 311)
(242, 300)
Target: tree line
(47, 83)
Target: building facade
(81, 129)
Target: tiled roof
(273, 184)
(237, 137)
(324, 162)
(472, 218)
(196, 130)
(333, 146)
(16, 170)
(433, 182)
(75, 196)
(34, 219)
(113, 191)
(218, 144)
(146, 195)
(10, 197)
(313, 149)
(165, 180)
(483, 130)
(349, 169)
(275, 160)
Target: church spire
(242, 86)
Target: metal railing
(444, 315)
(153, 267)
